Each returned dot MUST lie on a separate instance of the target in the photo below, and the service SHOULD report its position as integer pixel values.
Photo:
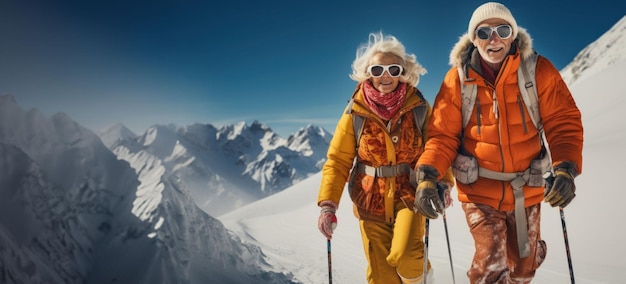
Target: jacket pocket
(465, 168)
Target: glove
(327, 222)
(561, 190)
(427, 201)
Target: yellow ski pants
(393, 249)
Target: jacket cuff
(426, 172)
(328, 204)
(568, 166)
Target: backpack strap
(419, 114)
(468, 97)
(358, 123)
(527, 81)
(528, 88)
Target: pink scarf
(384, 105)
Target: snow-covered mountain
(608, 49)
(72, 212)
(596, 241)
(224, 168)
(115, 133)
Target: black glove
(560, 190)
(427, 200)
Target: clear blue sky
(284, 63)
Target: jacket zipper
(495, 103)
(521, 109)
(478, 122)
(497, 116)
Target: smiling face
(494, 49)
(385, 83)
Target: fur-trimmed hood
(460, 51)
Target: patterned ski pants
(496, 259)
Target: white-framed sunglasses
(503, 32)
(377, 70)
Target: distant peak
(258, 125)
(118, 128)
(117, 125)
(311, 129)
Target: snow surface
(609, 49)
(285, 225)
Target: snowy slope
(609, 49)
(595, 234)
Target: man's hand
(561, 191)
(427, 200)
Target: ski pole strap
(518, 180)
(384, 171)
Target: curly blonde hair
(379, 43)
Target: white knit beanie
(487, 11)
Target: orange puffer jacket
(500, 133)
(374, 197)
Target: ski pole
(445, 225)
(425, 271)
(330, 267)
(442, 190)
(549, 181)
(567, 251)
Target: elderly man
(482, 126)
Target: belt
(518, 180)
(385, 171)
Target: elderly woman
(383, 129)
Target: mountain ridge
(227, 167)
(607, 50)
(72, 212)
